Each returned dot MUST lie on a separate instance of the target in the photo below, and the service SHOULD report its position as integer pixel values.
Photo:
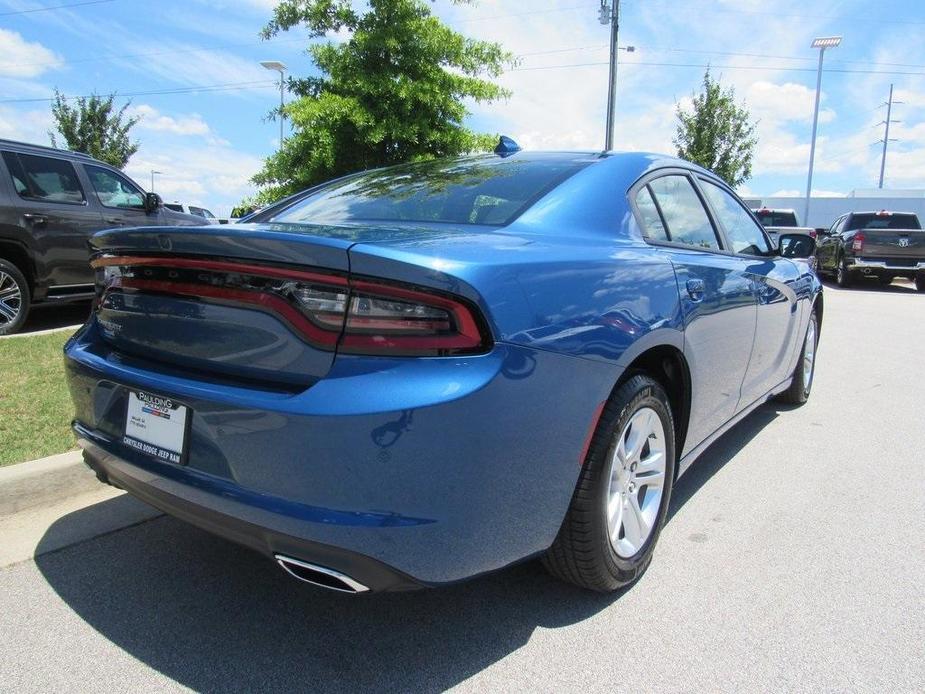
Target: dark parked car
(879, 245)
(51, 202)
(411, 376)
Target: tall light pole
(279, 67)
(153, 173)
(611, 15)
(821, 43)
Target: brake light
(812, 233)
(857, 245)
(327, 310)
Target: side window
(173, 206)
(684, 214)
(741, 231)
(113, 190)
(652, 227)
(44, 178)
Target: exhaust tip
(320, 576)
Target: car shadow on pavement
(900, 286)
(215, 616)
(51, 316)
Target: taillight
(857, 245)
(327, 310)
(812, 233)
(388, 319)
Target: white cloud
(768, 101)
(152, 119)
(25, 125)
(215, 176)
(21, 58)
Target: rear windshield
(483, 190)
(174, 207)
(883, 221)
(772, 218)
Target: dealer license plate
(156, 425)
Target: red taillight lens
(857, 244)
(387, 319)
(327, 310)
(812, 233)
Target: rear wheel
(15, 298)
(920, 283)
(619, 506)
(885, 280)
(802, 382)
(843, 274)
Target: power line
(782, 68)
(216, 47)
(522, 14)
(55, 7)
(229, 86)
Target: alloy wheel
(10, 299)
(809, 355)
(637, 480)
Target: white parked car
(192, 209)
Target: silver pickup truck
(880, 245)
(781, 221)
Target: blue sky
(208, 142)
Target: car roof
(30, 148)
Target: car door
(717, 298)
(827, 245)
(51, 203)
(774, 280)
(123, 202)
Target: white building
(824, 211)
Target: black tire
(920, 283)
(582, 552)
(842, 274)
(884, 280)
(13, 309)
(799, 389)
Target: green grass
(35, 407)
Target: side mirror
(153, 202)
(796, 246)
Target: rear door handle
(35, 218)
(696, 288)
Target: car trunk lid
(255, 304)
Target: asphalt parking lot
(794, 559)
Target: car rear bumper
(897, 266)
(397, 473)
(233, 519)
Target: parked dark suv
(51, 201)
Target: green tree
(394, 91)
(95, 127)
(717, 134)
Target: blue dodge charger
(411, 376)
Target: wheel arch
(17, 254)
(665, 363)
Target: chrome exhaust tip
(320, 576)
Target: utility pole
(886, 134)
(611, 16)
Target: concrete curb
(45, 481)
(72, 328)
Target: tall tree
(394, 91)
(94, 126)
(717, 134)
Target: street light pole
(820, 43)
(153, 172)
(279, 67)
